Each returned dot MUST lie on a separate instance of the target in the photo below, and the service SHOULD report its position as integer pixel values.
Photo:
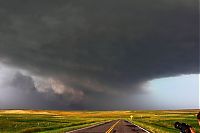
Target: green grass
(163, 121)
(28, 121)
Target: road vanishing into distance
(116, 126)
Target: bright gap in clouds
(176, 92)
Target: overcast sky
(108, 54)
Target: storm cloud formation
(93, 51)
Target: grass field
(27, 121)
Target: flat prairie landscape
(47, 121)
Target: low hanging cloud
(23, 91)
(94, 50)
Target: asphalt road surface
(117, 126)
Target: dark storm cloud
(101, 47)
(25, 95)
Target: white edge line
(140, 127)
(87, 127)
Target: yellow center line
(111, 128)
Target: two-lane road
(116, 126)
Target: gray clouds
(100, 48)
(20, 91)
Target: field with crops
(46, 121)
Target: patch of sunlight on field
(48, 121)
(24, 112)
